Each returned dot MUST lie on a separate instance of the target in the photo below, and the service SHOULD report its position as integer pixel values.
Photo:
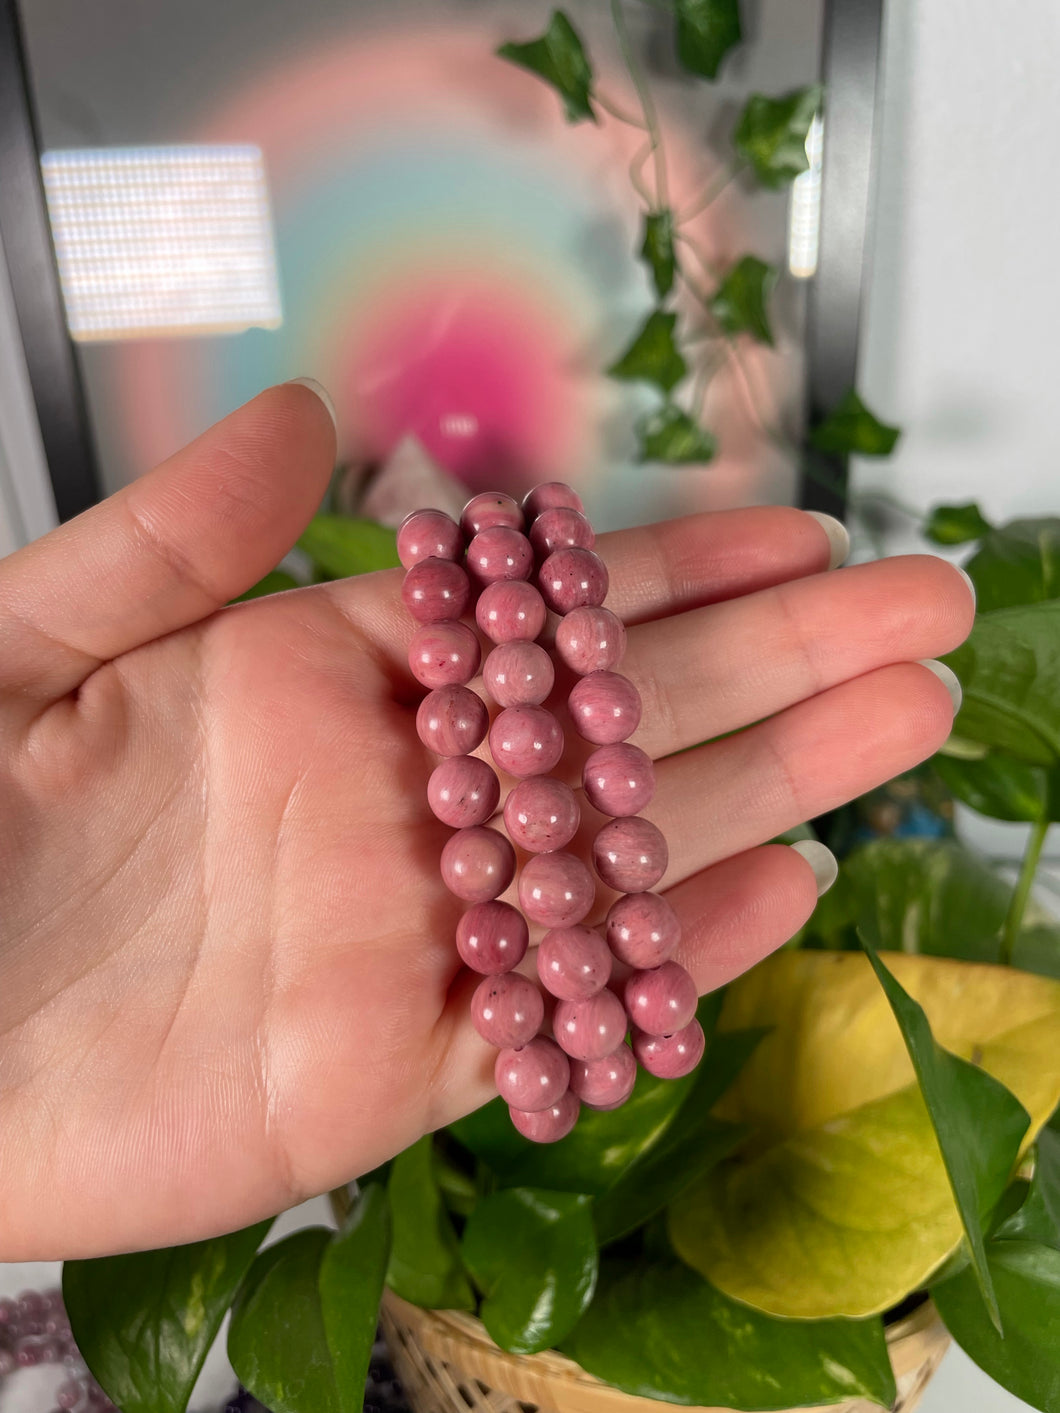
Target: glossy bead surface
(534, 1077)
(591, 640)
(549, 494)
(541, 814)
(604, 707)
(630, 855)
(555, 889)
(670, 1056)
(510, 611)
(642, 930)
(526, 740)
(507, 1011)
(590, 1029)
(463, 791)
(619, 780)
(606, 1083)
(661, 1001)
(428, 534)
(573, 963)
(483, 512)
(558, 527)
(477, 864)
(444, 655)
(492, 938)
(451, 721)
(547, 1125)
(518, 674)
(499, 553)
(436, 590)
(572, 578)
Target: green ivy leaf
(145, 1322)
(653, 356)
(1038, 1218)
(275, 582)
(559, 58)
(425, 1266)
(771, 134)
(706, 31)
(851, 429)
(672, 437)
(340, 546)
(1018, 563)
(740, 302)
(956, 524)
(1001, 786)
(657, 249)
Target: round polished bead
(444, 655)
(555, 889)
(491, 508)
(560, 527)
(507, 1011)
(590, 1029)
(573, 963)
(630, 854)
(492, 938)
(526, 740)
(619, 780)
(541, 814)
(661, 1001)
(463, 791)
(572, 578)
(428, 534)
(436, 590)
(590, 640)
(642, 930)
(451, 721)
(518, 674)
(477, 864)
(533, 1077)
(499, 553)
(510, 611)
(606, 1083)
(548, 495)
(670, 1056)
(604, 707)
(547, 1125)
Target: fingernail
(821, 859)
(968, 580)
(838, 537)
(947, 677)
(323, 394)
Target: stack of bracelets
(485, 565)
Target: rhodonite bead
(661, 1001)
(491, 508)
(428, 534)
(451, 721)
(548, 495)
(510, 611)
(526, 740)
(642, 930)
(572, 578)
(555, 889)
(477, 864)
(541, 814)
(500, 553)
(492, 938)
(573, 963)
(444, 655)
(590, 640)
(436, 590)
(605, 1083)
(590, 1029)
(518, 674)
(547, 1125)
(619, 779)
(630, 854)
(670, 1056)
(604, 707)
(560, 526)
(533, 1077)
(507, 1010)
(463, 791)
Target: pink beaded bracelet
(484, 566)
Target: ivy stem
(710, 193)
(1022, 892)
(647, 103)
(630, 119)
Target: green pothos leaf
(559, 58)
(669, 435)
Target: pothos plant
(875, 1120)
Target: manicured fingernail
(323, 394)
(947, 677)
(838, 538)
(967, 579)
(821, 859)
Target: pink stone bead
(510, 611)
(518, 674)
(541, 814)
(642, 930)
(507, 1011)
(548, 495)
(526, 740)
(436, 590)
(477, 864)
(492, 938)
(606, 1083)
(556, 889)
(451, 721)
(559, 527)
(444, 655)
(591, 640)
(428, 534)
(590, 1029)
(547, 1125)
(573, 963)
(572, 578)
(630, 854)
(463, 791)
(670, 1056)
(491, 508)
(604, 707)
(619, 780)
(661, 1001)
(500, 553)
(534, 1077)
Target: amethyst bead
(547, 1125)
(534, 1077)
(492, 938)
(518, 674)
(591, 640)
(491, 508)
(642, 930)
(572, 578)
(541, 814)
(500, 553)
(444, 655)
(428, 534)
(619, 780)
(605, 708)
(510, 611)
(526, 740)
(590, 1029)
(555, 889)
(573, 963)
(548, 495)
(477, 864)
(661, 1001)
(630, 854)
(451, 721)
(463, 791)
(560, 527)
(507, 1011)
(605, 1083)
(436, 590)
(670, 1056)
